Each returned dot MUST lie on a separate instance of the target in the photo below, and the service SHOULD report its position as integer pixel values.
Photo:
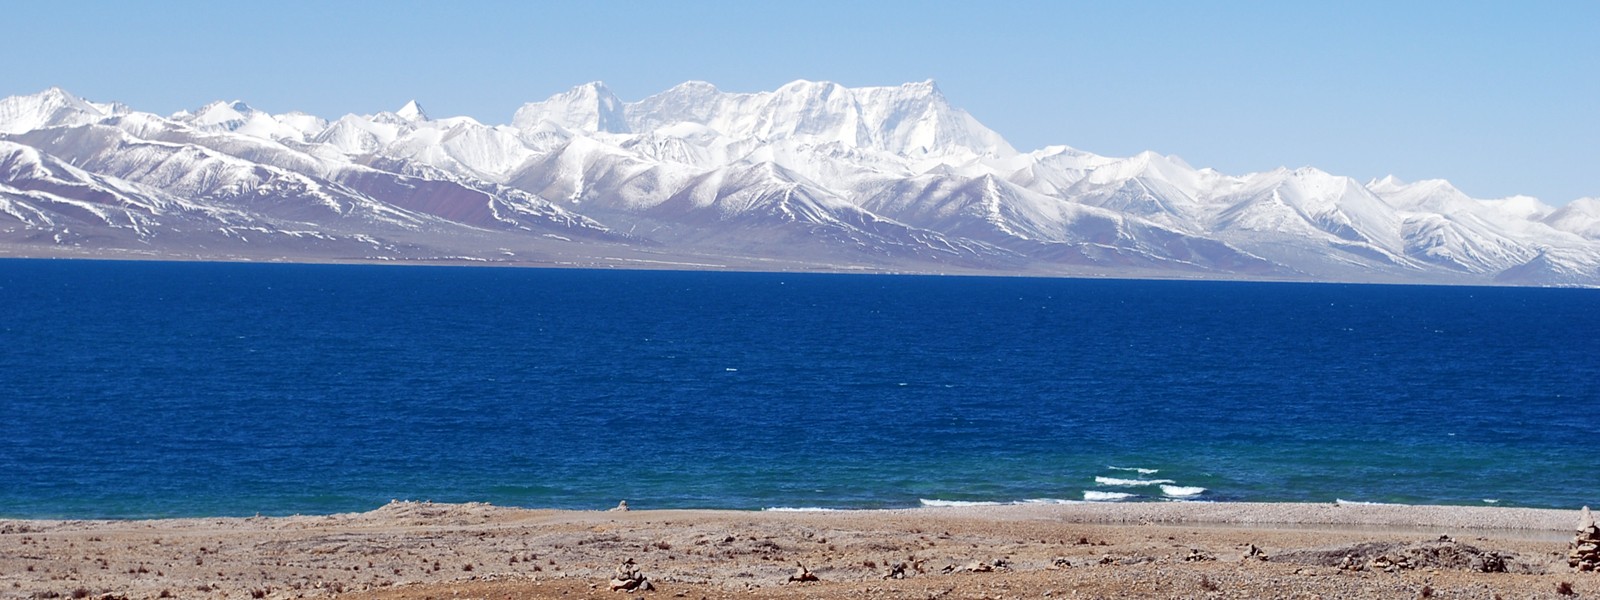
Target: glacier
(812, 176)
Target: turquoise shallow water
(159, 389)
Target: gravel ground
(1165, 550)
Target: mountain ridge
(811, 176)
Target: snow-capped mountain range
(811, 176)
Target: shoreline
(603, 264)
(1174, 549)
(1247, 514)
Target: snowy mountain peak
(921, 121)
(412, 112)
(238, 117)
(1062, 152)
(51, 107)
(56, 96)
(912, 120)
(590, 107)
(1387, 182)
(226, 115)
(1581, 216)
(1433, 195)
(694, 102)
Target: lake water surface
(137, 389)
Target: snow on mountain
(412, 112)
(912, 120)
(193, 171)
(1160, 188)
(40, 191)
(590, 107)
(694, 102)
(995, 211)
(688, 144)
(1438, 196)
(585, 172)
(1554, 267)
(52, 107)
(766, 199)
(1444, 226)
(810, 175)
(1581, 216)
(979, 208)
(46, 201)
(462, 146)
(1462, 243)
(1431, 195)
(1049, 170)
(1310, 201)
(357, 135)
(246, 172)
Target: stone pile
(627, 578)
(1584, 552)
(1389, 565)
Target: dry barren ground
(1157, 550)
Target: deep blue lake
(138, 389)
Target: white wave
(927, 502)
(1093, 496)
(798, 509)
(1139, 470)
(1342, 501)
(1048, 501)
(1182, 491)
(1491, 500)
(1130, 482)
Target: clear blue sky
(1501, 98)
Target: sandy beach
(1160, 550)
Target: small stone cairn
(627, 578)
(1584, 554)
